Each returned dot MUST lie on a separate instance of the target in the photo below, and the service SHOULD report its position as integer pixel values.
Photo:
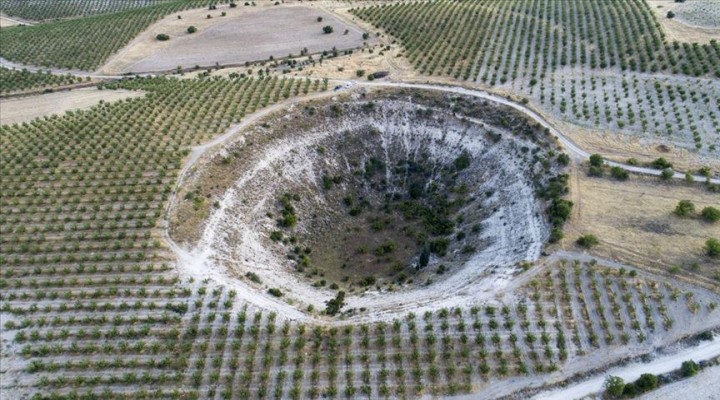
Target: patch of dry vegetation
(635, 224)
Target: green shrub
(587, 241)
(162, 37)
(646, 382)
(191, 29)
(334, 305)
(710, 214)
(689, 368)
(275, 292)
(327, 29)
(684, 208)
(661, 163)
(596, 160)
(253, 277)
(712, 247)
(614, 386)
(619, 173)
(667, 174)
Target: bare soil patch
(634, 222)
(688, 25)
(244, 34)
(6, 22)
(25, 109)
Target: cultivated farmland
(401, 199)
(572, 72)
(22, 80)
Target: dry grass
(678, 30)
(621, 147)
(635, 225)
(25, 109)
(245, 34)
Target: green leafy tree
(191, 29)
(327, 29)
(162, 37)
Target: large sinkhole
(384, 191)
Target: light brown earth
(5, 22)
(25, 109)
(634, 223)
(678, 30)
(245, 34)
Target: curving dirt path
(573, 149)
(631, 372)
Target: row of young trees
(496, 42)
(12, 80)
(84, 43)
(83, 273)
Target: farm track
(575, 150)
